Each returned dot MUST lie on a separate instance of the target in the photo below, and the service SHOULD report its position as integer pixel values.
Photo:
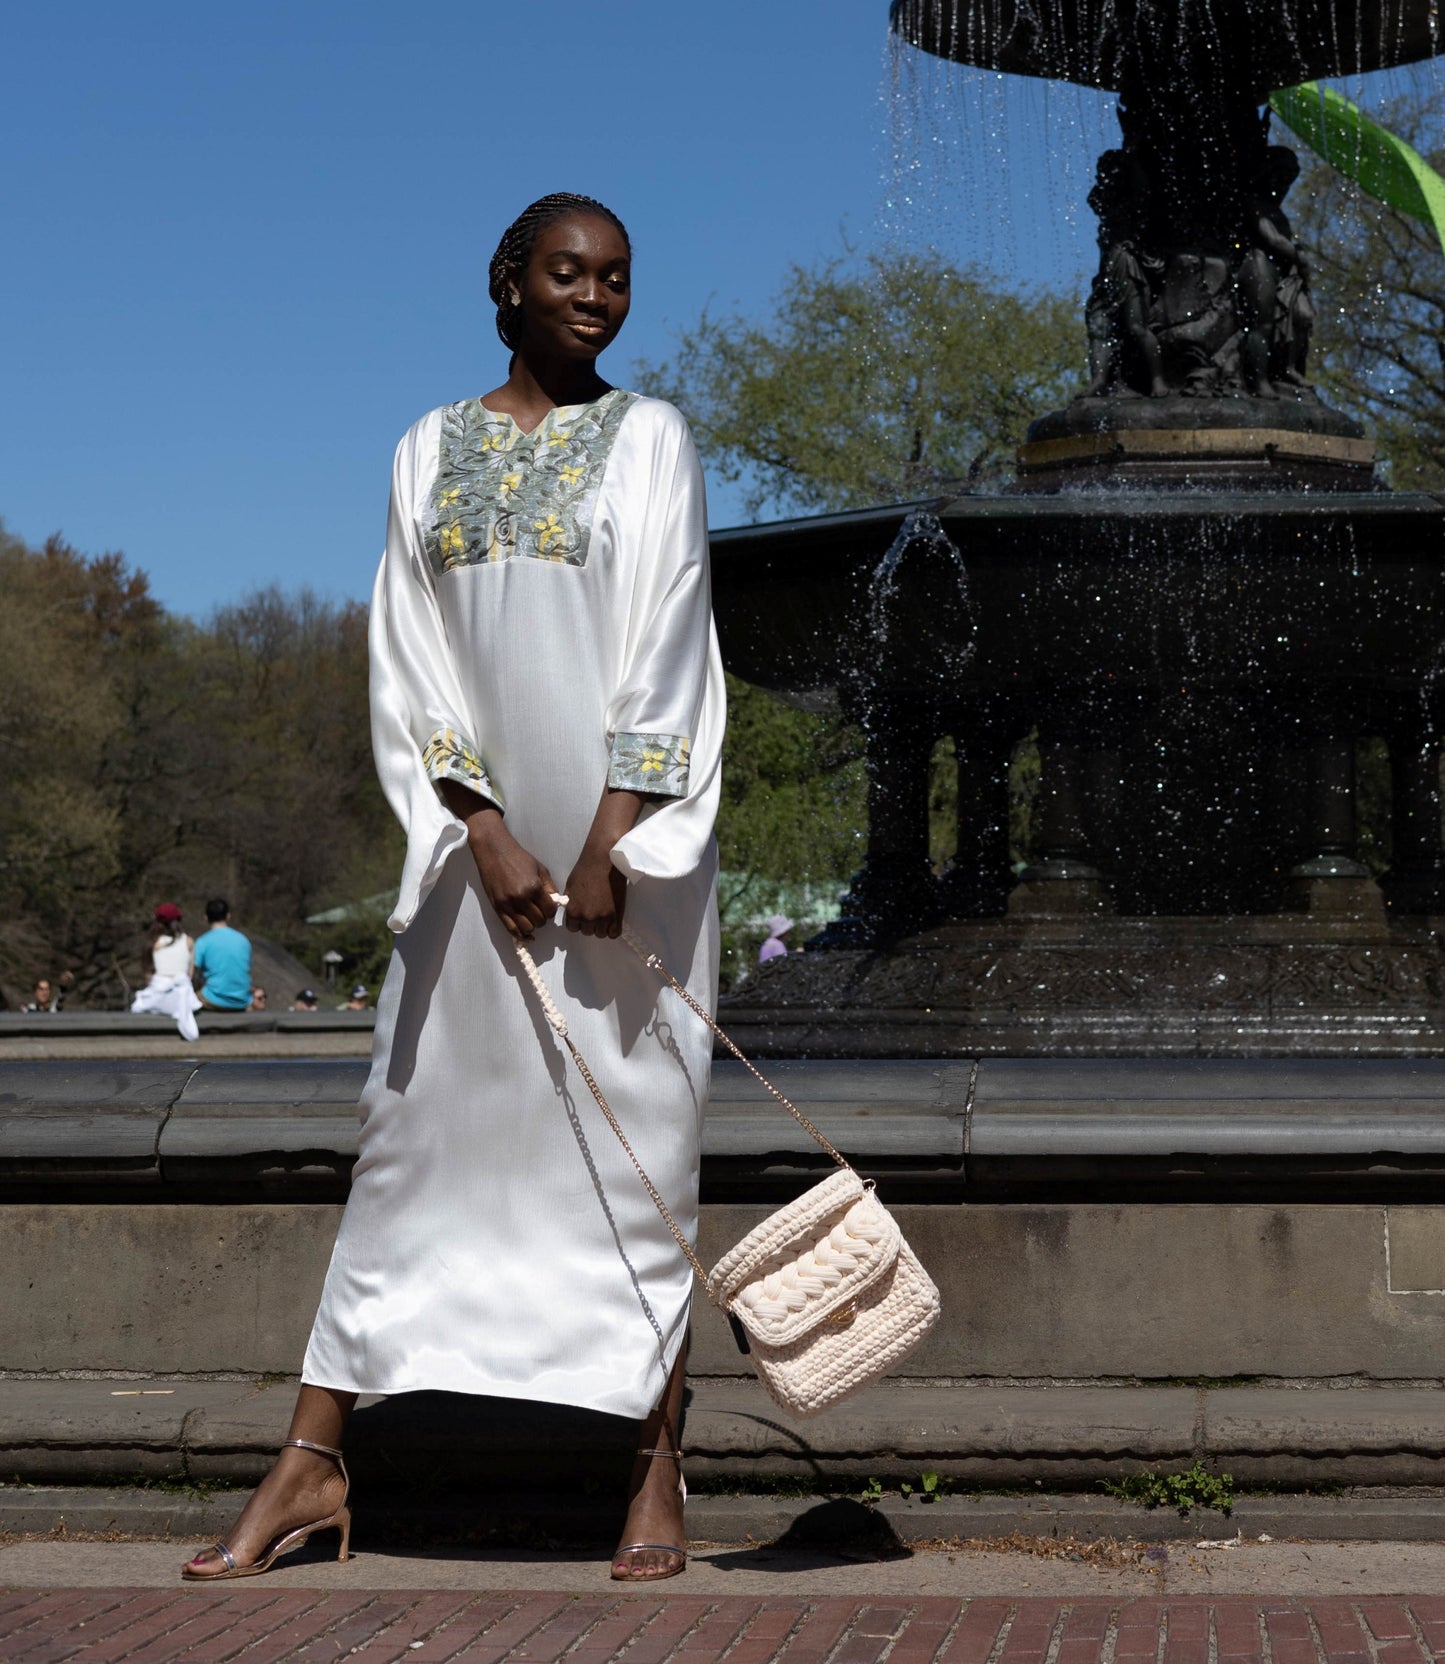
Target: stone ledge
(289, 1126)
(93, 1431)
(62, 1024)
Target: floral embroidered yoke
(500, 492)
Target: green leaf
(1380, 162)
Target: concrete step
(559, 1516)
(170, 1431)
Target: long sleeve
(421, 730)
(666, 716)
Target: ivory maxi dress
(541, 623)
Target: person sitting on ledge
(223, 962)
(169, 963)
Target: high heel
(339, 1520)
(677, 1549)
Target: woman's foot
(303, 1487)
(653, 1543)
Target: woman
(169, 962)
(547, 714)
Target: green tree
(288, 788)
(876, 380)
(792, 791)
(145, 756)
(70, 630)
(1378, 282)
(792, 807)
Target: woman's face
(576, 289)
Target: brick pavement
(260, 1626)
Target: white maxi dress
(541, 623)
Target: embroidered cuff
(652, 763)
(447, 756)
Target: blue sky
(246, 246)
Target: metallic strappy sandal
(340, 1520)
(678, 1549)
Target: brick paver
(256, 1626)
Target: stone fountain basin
(1098, 43)
(1294, 594)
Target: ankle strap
(306, 1444)
(662, 1450)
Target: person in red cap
(169, 960)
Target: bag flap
(820, 1280)
(784, 1234)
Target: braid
(515, 250)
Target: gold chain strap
(654, 963)
(650, 1187)
(559, 1023)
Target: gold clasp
(843, 1316)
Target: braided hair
(515, 250)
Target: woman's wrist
(616, 815)
(483, 820)
(486, 826)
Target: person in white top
(169, 960)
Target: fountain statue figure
(1199, 318)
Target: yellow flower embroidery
(653, 761)
(500, 493)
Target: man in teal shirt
(223, 962)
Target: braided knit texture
(807, 1260)
(829, 1364)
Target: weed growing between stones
(1196, 1487)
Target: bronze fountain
(1197, 601)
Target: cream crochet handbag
(825, 1296)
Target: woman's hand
(596, 890)
(596, 894)
(518, 886)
